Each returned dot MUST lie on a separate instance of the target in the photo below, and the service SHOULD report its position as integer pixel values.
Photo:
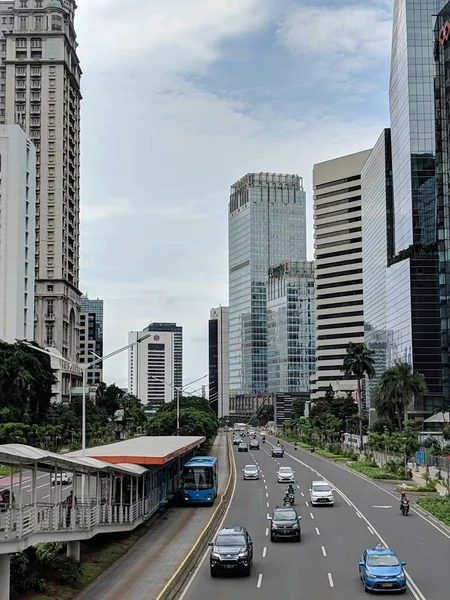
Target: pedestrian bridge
(108, 489)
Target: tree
(196, 418)
(298, 408)
(358, 362)
(398, 385)
(109, 398)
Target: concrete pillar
(4, 577)
(73, 551)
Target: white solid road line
(330, 580)
(200, 564)
(371, 530)
(258, 585)
(324, 552)
(317, 531)
(264, 551)
(412, 585)
(358, 514)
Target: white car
(250, 472)
(285, 475)
(61, 478)
(321, 493)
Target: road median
(181, 576)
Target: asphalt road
(325, 563)
(45, 492)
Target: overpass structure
(108, 489)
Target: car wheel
(299, 539)
(213, 573)
(272, 538)
(247, 572)
(366, 589)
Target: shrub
(26, 572)
(67, 571)
(438, 507)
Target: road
(44, 489)
(325, 563)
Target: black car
(243, 447)
(277, 452)
(285, 524)
(5, 499)
(254, 445)
(232, 550)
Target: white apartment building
(153, 366)
(17, 222)
(40, 90)
(219, 360)
(338, 268)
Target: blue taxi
(380, 570)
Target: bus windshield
(198, 478)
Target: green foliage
(439, 507)
(372, 470)
(27, 572)
(66, 571)
(26, 380)
(196, 418)
(298, 408)
(358, 362)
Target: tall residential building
(40, 74)
(377, 250)
(442, 93)
(219, 361)
(17, 219)
(338, 268)
(290, 327)
(156, 364)
(267, 226)
(91, 337)
(412, 278)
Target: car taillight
(1, 498)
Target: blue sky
(183, 97)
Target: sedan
(285, 523)
(254, 445)
(243, 447)
(277, 452)
(381, 571)
(285, 475)
(236, 440)
(61, 479)
(321, 493)
(250, 472)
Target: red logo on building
(444, 34)
(156, 338)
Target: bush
(372, 470)
(438, 507)
(67, 571)
(27, 572)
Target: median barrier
(181, 576)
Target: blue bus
(199, 482)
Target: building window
(57, 23)
(21, 43)
(23, 4)
(22, 23)
(38, 23)
(49, 335)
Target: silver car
(321, 493)
(250, 472)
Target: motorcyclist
(282, 447)
(264, 440)
(278, 443)
(403, 499)
(295, 445)
(290, 489)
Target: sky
(180, 99)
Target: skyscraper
(377, 250)
(40, 74)
(338, 268)
(17, 216)
(267, 226)
(291, 359)
(156, 363)
(412, 281)
(219, 360)
(91, 337)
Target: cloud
(162, 142)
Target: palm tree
(398, 385)
(358, 362)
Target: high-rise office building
(442, 93)
(412, 278)
(338, 268)
(267, 226)
(377, 250)
(219, 360)
(17, 218)
(156, 364)
(40, 74)
(290, 327)
(91, 337)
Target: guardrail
(175, 585)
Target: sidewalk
(418, 479)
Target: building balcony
(50, 317)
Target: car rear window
(321, 488)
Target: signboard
(444, 33)
(420, 458)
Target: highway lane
(45, 492)
(417, 540)
(324, 563)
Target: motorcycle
(404, 507)
(289, 500)
(295, 446)
(264, 440)
(312, 450)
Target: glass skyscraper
(267, 226)
(91, 337)
(412, 301)
(290, 327)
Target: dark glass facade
(213, 358)
(377, 247)
(267, 226)
(91, 337)
(442, 95)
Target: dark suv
(277, 452)
(5, 499)
(285, 523)
(232, 550)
